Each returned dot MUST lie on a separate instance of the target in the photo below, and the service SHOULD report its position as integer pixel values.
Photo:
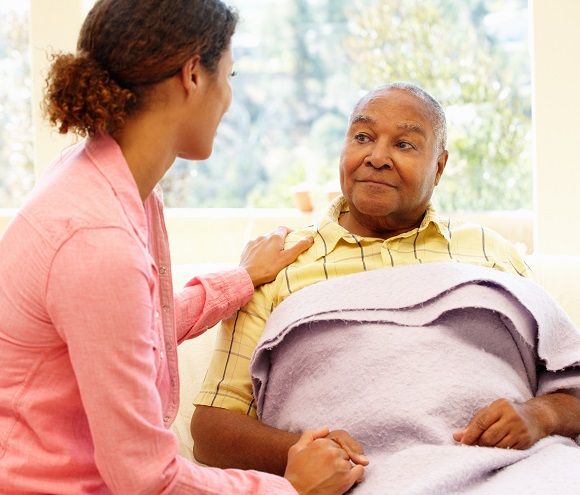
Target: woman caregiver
(89, 323)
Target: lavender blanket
(403, 357)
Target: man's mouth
(376, 182)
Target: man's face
(390, 161)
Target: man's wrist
(544, 413)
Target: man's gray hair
(438, 119)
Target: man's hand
(228, 439)
(354, 449)
(317, 465)
(506, 424)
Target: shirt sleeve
(510, 259)
(100, 297)
(227, 383)
(518, 263)
(207, 299)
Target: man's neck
(383, 228)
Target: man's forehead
(400, 107)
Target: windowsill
(232, 213)
(218, 235)
(210, 235)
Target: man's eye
(361, 138)
(404, 145)
(233, 73)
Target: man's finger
(493, 435)
(506, 442)
(482, 420)
(357, 456)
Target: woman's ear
(190, 73)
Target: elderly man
(393, 157)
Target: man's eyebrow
(362, 119)
(412, 127)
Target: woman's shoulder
(73, 196)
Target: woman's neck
(147, 145)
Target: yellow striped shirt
(337, 252)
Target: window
(302, 64)
(16, 163)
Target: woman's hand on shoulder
(265, 256)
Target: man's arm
(227, 433)
(560, 412)
(229, 439)
(508, 424)
(225, 430)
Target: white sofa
(559, 275)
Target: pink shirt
(89, 328)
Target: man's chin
(371, 208)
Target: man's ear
(190, 73)
(441, 162)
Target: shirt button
(165, 308)
(166, 419)
(161, 355)
(156, 314)
(162, 270)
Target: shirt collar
(329, 231)
(107, 156)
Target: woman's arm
(207, 299)
(211, 298)
(101, 300)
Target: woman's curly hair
(125, 47)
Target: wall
(556, 103)
(52, 30)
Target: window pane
(16, 164)
(303, 63)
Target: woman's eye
(361, 138)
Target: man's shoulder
(297, 235)
(492, 244)
(468, 228)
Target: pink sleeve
(207, 299)
(100, 299)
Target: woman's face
(212, 99)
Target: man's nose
(380, 158)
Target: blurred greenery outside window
(301, 65)
(16, 139)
